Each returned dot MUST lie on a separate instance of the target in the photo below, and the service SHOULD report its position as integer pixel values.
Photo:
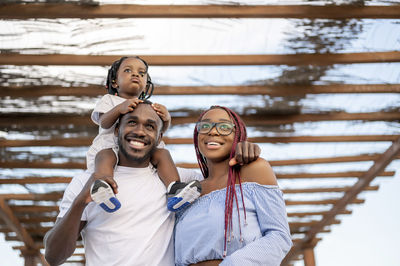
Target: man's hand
(246, 152)
(85, 193)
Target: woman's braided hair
(233, 175)
(112, 75)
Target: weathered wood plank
(272, 90)
(39, 10)
(205, 60)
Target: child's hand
(163, 113)
(129, 105)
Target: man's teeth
(136, 143)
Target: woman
(240, 219)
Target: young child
(128, 83)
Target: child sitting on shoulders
(128, 83)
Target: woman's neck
(218, 170)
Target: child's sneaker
(180, 194)
(102, 193)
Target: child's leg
(104, 163)
(102, 192)
(179, 194)
(165, 167)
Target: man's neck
(134, 164)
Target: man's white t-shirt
(140, 232)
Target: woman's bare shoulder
(259, 171)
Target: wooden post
(308, 256)
(30, 256)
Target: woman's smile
(213, 145)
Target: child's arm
(166, 168)
(108, 119)
(163, 113)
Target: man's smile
(136, 143)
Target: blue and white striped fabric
(199, 229)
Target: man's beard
(133, 158)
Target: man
(140, 233)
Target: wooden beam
(384, 160)
(338, 159)
(35, 180)
(44, 229)
(77, 165)
(42, 90)
(42, 119)
(271, 90)
(33, 197)
(58, 196)
(32, 230)
(30, 257)
(303, 230)
(318, 213)
(308, 256)
(320, 202)
(51, 11)
(204, 60)
(13, 223)
(325, 189)
(296, 240)
(65, 180)
(33, 208)
(349, 174)
(76, 142)
(37, 220)
(65, 142)
(277, 90)
(41, 245)
(14, 238)
(51, 119)
(308, 224)
(82, 262)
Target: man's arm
(60, 241)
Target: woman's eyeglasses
(223, 128)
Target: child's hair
(112, 75)
(234, 172)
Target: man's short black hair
(144, 102)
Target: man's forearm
(60, 241)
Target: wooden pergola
(26, 217)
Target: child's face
(131, 78)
